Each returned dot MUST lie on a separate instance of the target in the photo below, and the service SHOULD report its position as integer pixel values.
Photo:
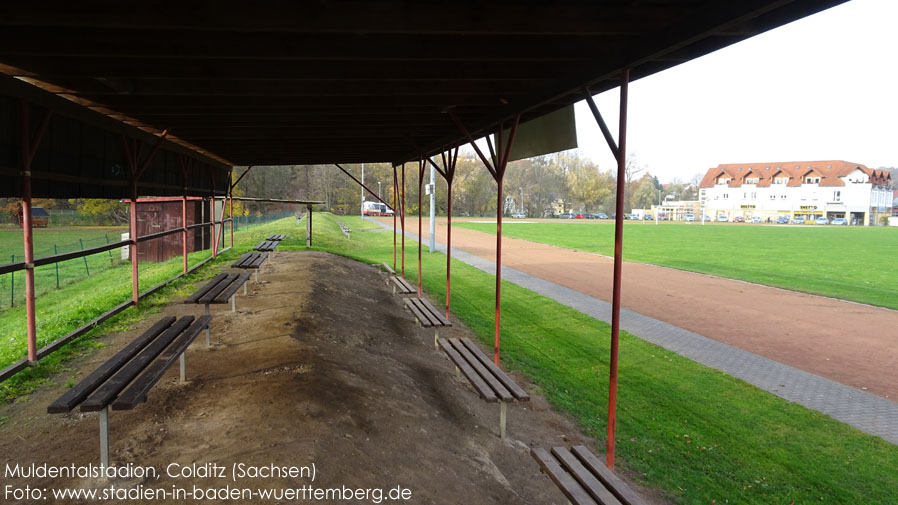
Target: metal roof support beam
(500, 156)
(29, 150)
(448, 173)
(602, 126)
(618, 262)
(421, 166)
(234, 184)
(366, 188)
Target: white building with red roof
(808, 189)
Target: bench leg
(208, 336)
(457, 373)
(183, 368)
(436, 336)
(233, 303)
(502, 408)
(244, 289)
(104, 437)
(394, 288)
(256, 273)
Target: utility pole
(522, 200)
(433, 223)
(362, 205)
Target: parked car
(689, 218)
(648, 217)
(782, 220)
(601, 215)
(797, 220)
(738, 219)
(579, 216)
(707, 218)
(722, 219)
(633, 216)
(756, 219)
(566, 215)
(821, 220)
(519, 215)
(840, 221)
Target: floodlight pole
(620, 151)
(500, 157)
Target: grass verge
(697, 434)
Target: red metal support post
(395, 206)
(182, 163)
(618, 263)
(231, 212)
(402, 218)
(212, 211)
(448, 173)
(421, 165)
(29, 150)
(500, 158)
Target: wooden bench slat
(257, 262)
(79, 392)
(497, 387)
(584, 477)
(137, 391)
(402, 286)
(205, 289)
(506, 381)
(431, 319)
(232, 288)
(568, 486)
(277, 236)
(388, 268)
(239, 262)
(618, 487)
(439, 314)
(423, 320)
(483, 390)
(107, 392)
(209, 297)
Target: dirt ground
(847, 342)
(320, 364)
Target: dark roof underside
(273, 83)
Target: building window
(726, 196)
(816, 180)
(773, 197)
(783, 197)
(754, 195)
(837, 196)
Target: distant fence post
(80, 241)
(56, 264)
(12, 284)
(111, 260)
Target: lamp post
(378, 190)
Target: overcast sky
(823, 87)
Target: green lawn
(850, 263)
(699, 435)
(49, 241)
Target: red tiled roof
(829, 172)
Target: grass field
(701, 436)
(49, 241)
(850, 263)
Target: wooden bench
(345, 229)
(277, 237)
(582, 478)
(491, 383)
(124, 380)
(402, 286)
(219, 290)
(266, 246)
(251, 260)
(427, 316)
